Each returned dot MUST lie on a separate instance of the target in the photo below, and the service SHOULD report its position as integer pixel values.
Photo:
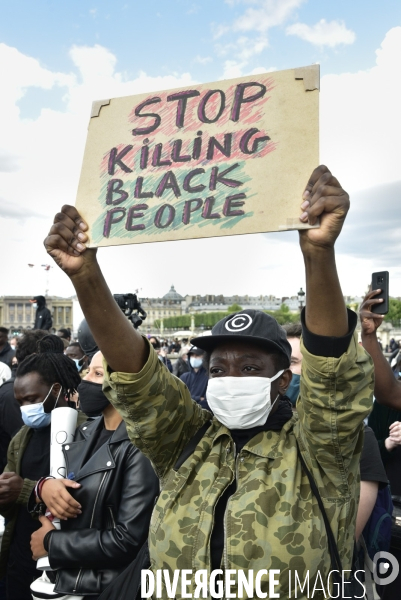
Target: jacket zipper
(91, 523)
(112, 517)
(77, 581)
(97, 496)
(225, 554)
(100, 487)
(92, 517)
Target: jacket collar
(264, 443)
(79, 456)
(97, 423)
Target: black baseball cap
(196, 351)
(252, 326)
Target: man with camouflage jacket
(242, 500)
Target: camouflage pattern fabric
(272, 521)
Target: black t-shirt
(393, 470)
(371, 464)
(35, 464)
(103, 436)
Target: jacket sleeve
(10, 411)
(110, 548)
(9, 510)
(335, 397)
(48, 321)
(158, 411)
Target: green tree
(208, 320)
(283, 316)
(394, 312)
(234, 308)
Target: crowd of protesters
(256, 447)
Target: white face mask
(241, 402)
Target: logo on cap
(238, 323)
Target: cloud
(8, 163)
(10, 210)
(267, 14)
(243, 48)
(360, 133)
(242, 51)
(259, 70)
(360, 128)
(323, 33)
(194, 9)
(232, 69)
(40, 158)
(260, 17)
(203, 60)
(373, 228)
(219, 30)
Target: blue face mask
(79, 362)
(196, 363)
(34, 415)
(293, 389)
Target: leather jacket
(117, 495)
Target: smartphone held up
(380, 281)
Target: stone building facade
(171, 304)
(17, 313)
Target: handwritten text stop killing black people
(185, 165)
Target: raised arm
(110, 328)
(387, 387)
(324, 199)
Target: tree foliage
(394, 313)
(208, 320)
(234, 308)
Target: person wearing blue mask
(196, 378)
(294, 332)
(75, 352)
(43, 381)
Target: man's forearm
(326, 313)
(387, 388)
(122, 346)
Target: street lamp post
(301, 299)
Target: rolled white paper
(63, 425)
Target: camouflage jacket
(272, 521)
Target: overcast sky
(56, 58)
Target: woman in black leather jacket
(113, 489)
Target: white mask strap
(57, 398)
(50, 391)
(277, 375)
(274, 402)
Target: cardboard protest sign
(226, 158)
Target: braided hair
(52, 365)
